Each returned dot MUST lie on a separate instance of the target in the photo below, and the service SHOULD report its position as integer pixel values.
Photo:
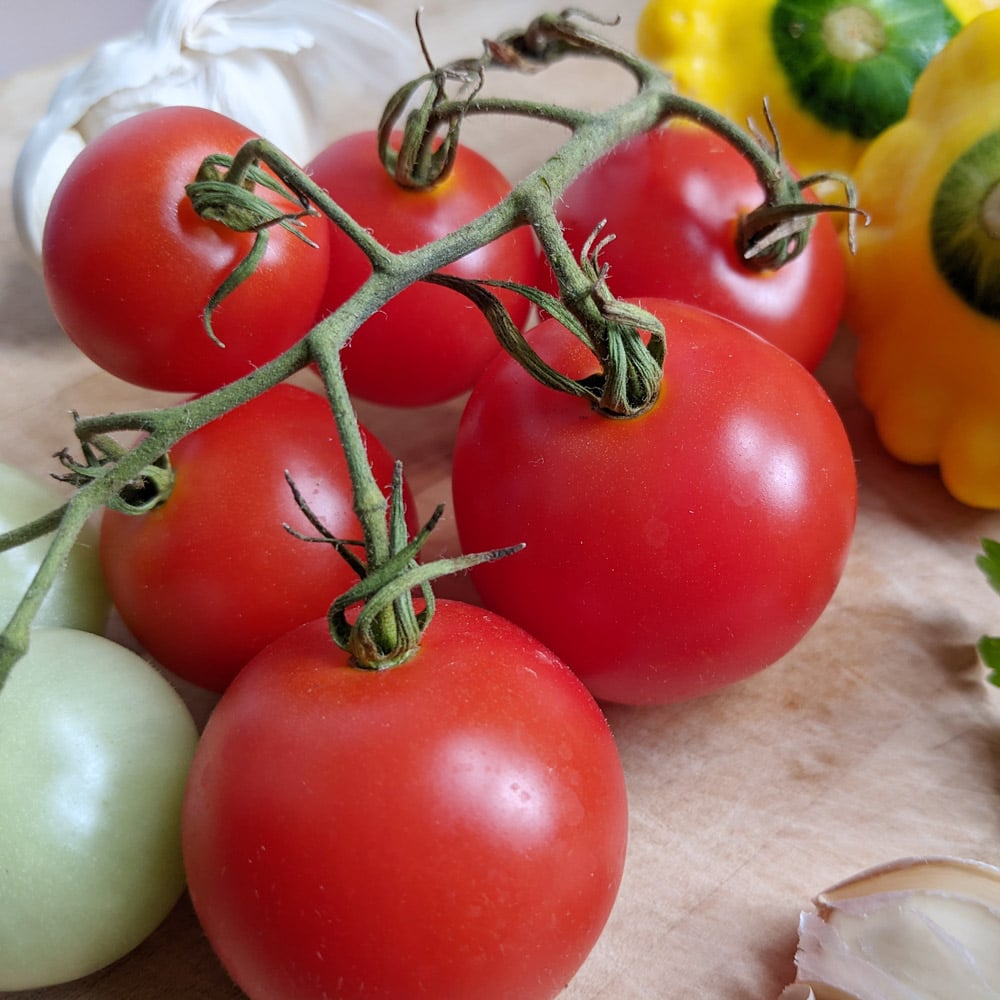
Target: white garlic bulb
(913, 929)
(289, 70)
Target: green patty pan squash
(924, 285)
(835, 74)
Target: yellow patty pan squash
(924, 285)
(835, 73)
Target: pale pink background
(37, 32)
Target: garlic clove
(290, 70)
(952, 875)
(814, 991)
(911, 929)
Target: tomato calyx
(431, 131)
(425, 158)
(627, 341)
(774, 234)
(136, 495)
(213, 195)
(631, 376)
(776, 231)
(227, 196)
(376, 621)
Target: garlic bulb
(914, 929)
(290, 70)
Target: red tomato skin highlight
(208, 578)
(428, 344)
(453, 827)
(129, 274)
(672, 197)
(669, 555)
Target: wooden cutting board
(875, 738)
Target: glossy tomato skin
(95, 747)
(672, 198)
(129, 266)
(209, 577)
(452, 827)
(675, 553)
(429, 343)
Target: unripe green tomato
(78, 598)
(95, 747)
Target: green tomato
(95, 747)
(79, 598)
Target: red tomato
(429, 343)
(452, 827)
(129, 266)
(210, 576)
(670, 554)
(672, 198)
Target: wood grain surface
(875, 738)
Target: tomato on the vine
(211, 575)
(672, 198)
(129, 265)
(669, 554)
(454, 826)
(429, 343)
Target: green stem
(370, 504)
(532, 201)
(38, 528)
(14, 638)
(257, 151)
(162, 428)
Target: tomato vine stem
(387, 629)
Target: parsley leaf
(989, 646)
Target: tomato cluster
(668, 553)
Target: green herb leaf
(989, 652)
(989, 646)
(989, 562)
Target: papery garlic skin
(286, 69)
(915, 929)
(814, 991)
